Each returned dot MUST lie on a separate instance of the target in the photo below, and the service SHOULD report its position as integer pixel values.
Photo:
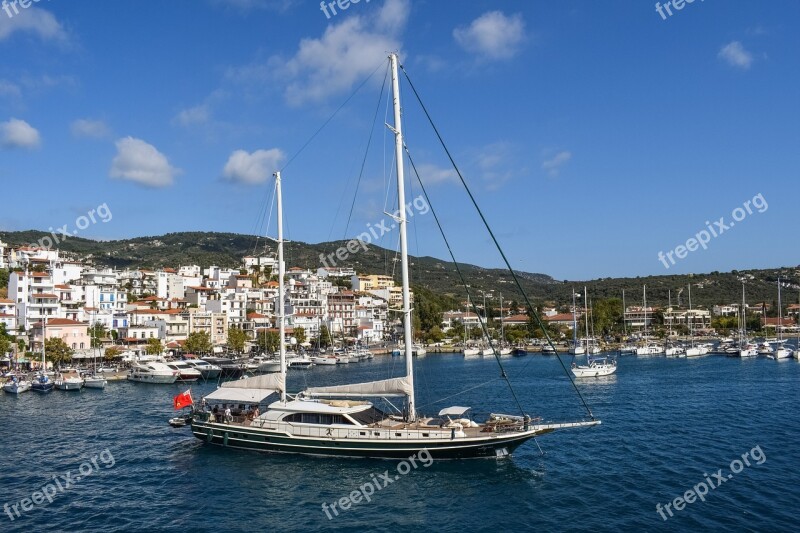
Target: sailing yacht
(42, 382)
(595, 367)
(746, 348)
(469, 351)
(575, 349)
(17, 385)
(338, 420)
(649, 348)
(780, 351)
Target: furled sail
(386, 387)
(275, 382)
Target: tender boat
(152, 372)
(95, 382)
(69, 380)
(17, 385)
(42, 383)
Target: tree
(97, 332)
(57, 351)
(269, 342)
(198, 342)
(3, 278)
(236, 339)
(300, 335)
(607, 315)
(154, 346)
(5, 345)
(111, 353)
(20, 345)
(324, 336)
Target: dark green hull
(245, 438)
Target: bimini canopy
(454, 411)
(266, 381)
(249, 390)
(384, 388)
(229, 395)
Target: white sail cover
(386, 387)
(275, 382)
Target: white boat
(675, 351)
(339, 420)
(748, 350)
(17, 385)
(596, 367)
(650, 349)
(780, 351)
(186, 373)
(206, 369)
(471, 352)
(152, 372)
(68, 380)
(42, 383)
(765, 348)
(324, 360)
(303, 363)
(95, 382)
(418, 351)
(627, 348)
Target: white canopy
(265, 381)
(239, 395)
(386, 387)
(453, 411)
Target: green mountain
(436, 275)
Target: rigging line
(366, 152)
(259, 225)
(324, 124)
(459, 393)
(496, 243)
(484, 326)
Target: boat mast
(644, 308)
(780, 312)
(401, 220)
(691, 319)
(624, 326)
(744, 319)
(586, 316)
(281, 312)
(574, 323)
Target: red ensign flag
(183, 400)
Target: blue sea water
(667, 424)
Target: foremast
(402, 222)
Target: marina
(652, 400)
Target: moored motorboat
(152, 372)
(186, 373)
(69, 380)
(42, 383)
(596, 367)
(95, 381)
(206, 369)
(17, 385)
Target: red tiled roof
(563, 317)
(61, 322)
(44, 296)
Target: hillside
(437, 275)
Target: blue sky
(594, 134)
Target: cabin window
(398, 434)
(362, 433)
(425, 434)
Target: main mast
(281, 311)
(401, 220)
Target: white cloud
(495, 162)
(735, 55)
(9, 89)
(432, 174)
(193, 116)
(255, 168)
(18, 134)
(346, 53)
(554, 164)
(33, 20)
(93, 129)
(141, 163)
(493, 35)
